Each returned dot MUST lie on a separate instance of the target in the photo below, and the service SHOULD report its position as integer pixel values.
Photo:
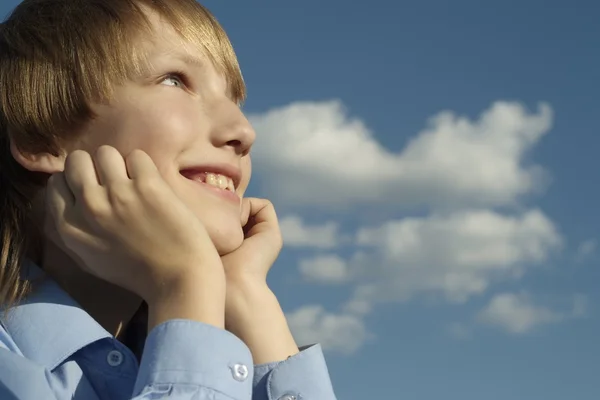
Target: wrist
(196, 297)
(247, 286)
(247, 300)
(254, 315)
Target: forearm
(254, 315)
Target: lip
(227, 170)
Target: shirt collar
(48, 326)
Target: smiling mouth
(217, 183)
(215, 180)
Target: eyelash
(178, 75)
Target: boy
(124, 157)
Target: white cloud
(297, 234)
(361, 305)
(457, 255)
(341, 333)
(517, 314)
(315, 154)
(586, 249)
(329, 268)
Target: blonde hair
(57, 57)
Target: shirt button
(114, 358)
(240, 372)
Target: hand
(122, 223)
(251, 262)
(252, 311)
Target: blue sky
(436, 256)
(393, 66)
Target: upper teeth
(220, 181)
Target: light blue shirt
(51, 349)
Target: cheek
(161, 128)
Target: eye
(174, 79)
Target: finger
(140, 165)
(70, 238)
(58, 197)
(110, 165)
(245, 211)
(262, 216)
(80, 173)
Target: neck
(111, 306)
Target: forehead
(163, 38)
(164, 42)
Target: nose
(232, 129)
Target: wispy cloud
(344, 333)
(586, 249)
(328, 269)
(296, 233)
(517, 313)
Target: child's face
(181, 115)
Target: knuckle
(136, 157)
(66, 231)
(149, 186)
(267, 203)
(120, 196)
(93, 203)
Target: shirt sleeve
(190, 360)
(182, 360)
(303, 376)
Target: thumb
(245, 212)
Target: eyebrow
(190, 60)
(184, 57)
(163, 56)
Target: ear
(38, 162)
